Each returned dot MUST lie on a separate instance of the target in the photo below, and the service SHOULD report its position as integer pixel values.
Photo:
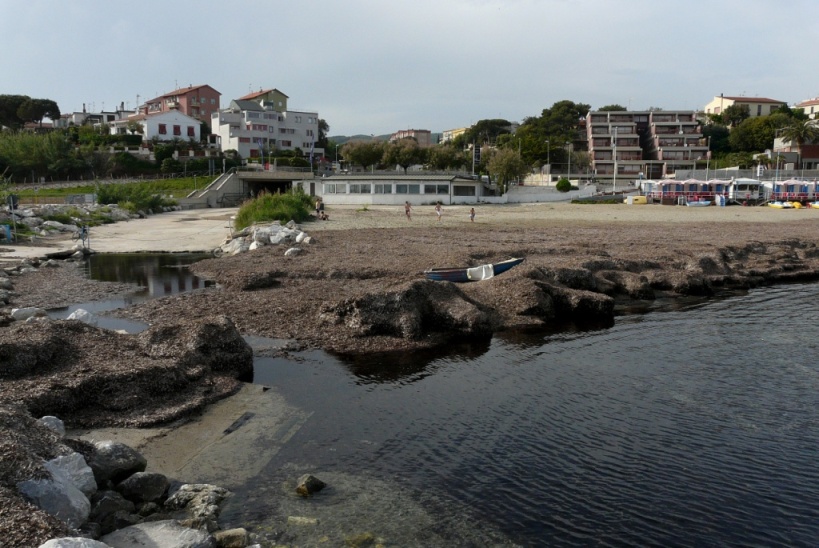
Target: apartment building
(422, 136)
(450, 134)
(259, 123)
(650, 144)
(198, 102)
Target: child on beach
(439, 210)
(472, 214)
(408, 210)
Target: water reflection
(407, 367)
(161, 274)
(157, 275)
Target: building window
(177, 130)
(759, 110)
(213, 101)
(436, 189)
(463, 190)
(407, 189)
(252, 114)
(163, 129)
(259, 127)
(335, 188)
(191, 131)
(382, 188)
(360, 188)
(286, 143)
(298, 119)
(271, 129)
(309, 132)
(244, 139)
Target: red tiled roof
(754, 100)
(180, 91)
(809, 102)
(255, 94)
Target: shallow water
(157, 275)
(687, 427)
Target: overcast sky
(378, 66)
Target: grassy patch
(293, 206)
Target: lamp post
(614, 155)
(708, 159)
(549, 160)
(569, 170)
(776, 173)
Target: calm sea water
(693, 427)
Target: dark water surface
(156, 274)
(694, 427)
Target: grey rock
(144, 487)
(73, 542)
(114, 461)
(167, 534)
(309, 484)
(54, 424)
(58, 497)
(74, 468)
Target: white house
(165, 126)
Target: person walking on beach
(318, 208)
(408, 210)
(472, 214)
(439, 210)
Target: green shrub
(141, 196)
(563, 185)
(293, 206)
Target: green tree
(506, 165)
(363, 153)
(736, 114)
(134, 127)
(612, 108)
(558, 125)
(800, 132)
(752, 135)
(9, 104)
(322, 141)
(447, 156)
(34, 110)
(485, 131)
(719, 135)
(403, 152)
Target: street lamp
(569, 174)
(614, 155)
(549, 159)
(708, 159)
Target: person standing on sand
(318, 208)
(408, 210)
(439, 210)
(472, 214)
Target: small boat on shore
(698, 203)
(471, 274)
(780, 205)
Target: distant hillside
(341, 139)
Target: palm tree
(801, 132)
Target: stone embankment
(75, 494)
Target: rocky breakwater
(91, 377)
(48, 219)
